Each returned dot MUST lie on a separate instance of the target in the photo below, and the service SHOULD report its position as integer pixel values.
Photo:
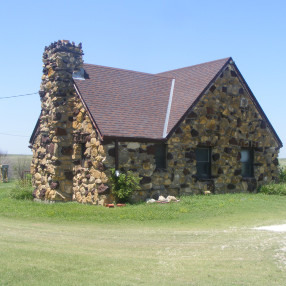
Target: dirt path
(278, 228)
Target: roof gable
(257, 105)
(191, 82)
(246, 88)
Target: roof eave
(88, 111)
(257, 105)
(133, 139)
(34, 133)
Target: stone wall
(89, 182)
(225, 120)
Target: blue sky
(148, 36)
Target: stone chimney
(52, 168)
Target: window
(83, 156)
(160, 156)
(203, 157)
(246, 163)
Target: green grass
(202, 240)
(194, 211)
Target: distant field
(282, 162)
(17, 160)
(14, 158)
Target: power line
(13, 135)
(18, 95)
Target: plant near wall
(123, 185)
(274, 189)
(23, 189)
(282, 174)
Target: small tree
(123, 185)
(22, 167)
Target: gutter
(116, 155)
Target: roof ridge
(126, 70)
(226, 59)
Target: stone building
(183, 131)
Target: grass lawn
(202, 240)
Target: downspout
(116, 155)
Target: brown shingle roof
(132, 104)
(125, 103)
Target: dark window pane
(203, 157)
(83, 157)
(246, 163)
(246, 170)
(160, 156)
(203, 169)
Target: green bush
(282, 175)
(23, 189)
(123, 185)
(21, 194)
(274, 189)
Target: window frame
(208, 163)
(249, 173)
(160, 156)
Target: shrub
(274, 189)
(21, 194)
(23, 189)
(123, 185)
(282, 175)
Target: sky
(141, 35)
